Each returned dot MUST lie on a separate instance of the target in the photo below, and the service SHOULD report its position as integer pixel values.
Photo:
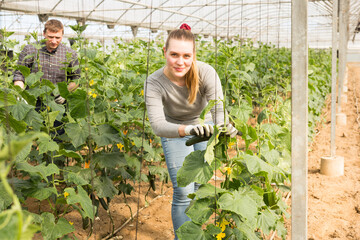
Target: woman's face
(179, 57)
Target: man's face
(53, 39)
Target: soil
(333, 202)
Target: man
(53, 60)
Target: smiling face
(53, 39)
(179, 57)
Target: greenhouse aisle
(334, 202)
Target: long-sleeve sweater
(168, 106)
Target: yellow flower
(231, 144)
(91, 82)
(220, 236)
(228, 170)
(94, 95)
(71, 223)
(66, 194)
(48, 108)
(90, 92)
(133, 143)
(233, 100)
(120, 146)
(86, 69)
(142, 93)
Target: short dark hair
(53, 25)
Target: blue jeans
(175, 152)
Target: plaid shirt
(52, 64)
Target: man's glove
(205, 130)
(59, 99)
(230, 130)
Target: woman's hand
(199, 130)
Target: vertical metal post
(343, 42)
(299, 116)
(334, 76)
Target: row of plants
(108, 145)
(249, 204)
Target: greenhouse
(202, 119)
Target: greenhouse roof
(259, 20)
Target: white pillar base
(332, 166)
(341, 119)
(343, 98)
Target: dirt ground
(333, 202)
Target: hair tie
(185, 26)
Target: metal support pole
(299, 116)
(343, 42)
(334, 76)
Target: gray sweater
(167, 103)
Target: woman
(175, 96)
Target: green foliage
(101, 133)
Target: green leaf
(51, 116)
(238, 203)
(249, 67)
(190, 230)
(47, 145)
(271, 156)
(105, 135)
(78, 104)
(267, 221)
(194, 169)
(245, 232)
(281, 230)
(200, 210)
(34, 119)
(75, 178)
(69, 153)
(208, 190)
(17, 145)
(43, 193)
(104, 187)
(256, 165)
(21, 156)
(62, 86)
(78, 133)
(210, 105)
(5, 95)
(20, 110)
(33, 78)
(109, 160)
(262, 116)
(10, 230)
(209, 152)
(241, 113)
(41, 170)
(212, 229)
(5, 199)
(17, 126)
(91, 53)
(82, 198)
(51, 230)
(25, 71)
